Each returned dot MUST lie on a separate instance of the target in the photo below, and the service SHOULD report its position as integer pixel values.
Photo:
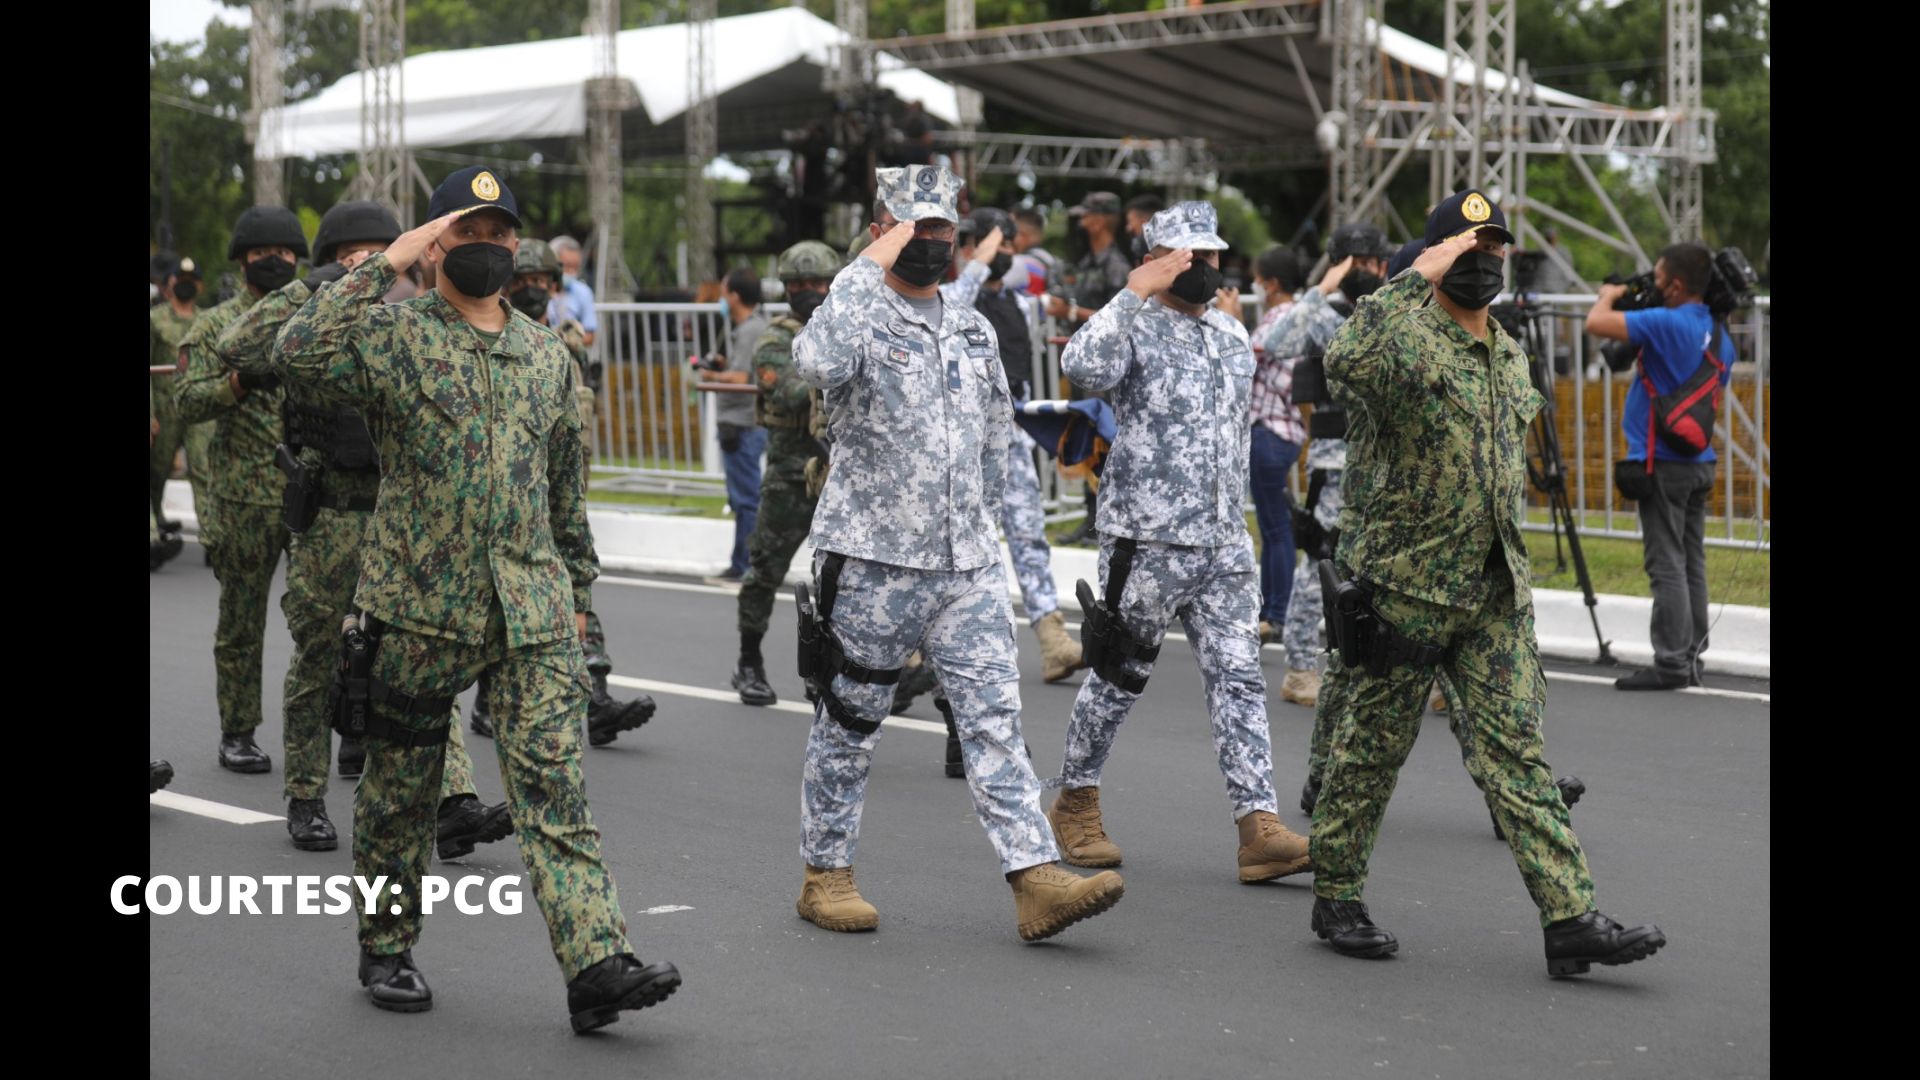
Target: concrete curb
(638, 542)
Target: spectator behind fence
(576, 296)
(742, 441)
(1680, 346)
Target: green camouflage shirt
(240, 458)
(782, 405)
(247, 345)
(1436, 464)
(483, 495)
(164, 333)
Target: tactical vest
(338, 432)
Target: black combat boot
(607, 718)
(1344, 925)
(394, 983)
(750, 678)
(464, 822)
(1574, 945)
(159, 775)
(239, 753)
(598, 995)
(307, 823)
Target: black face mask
(269, 274)
(531, 301)
(802, 302)
(186, 290)
(923, 262)
(478, 270)
(1359, 283)
(998, 267)
(1197, 283)
(1474, 280)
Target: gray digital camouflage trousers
(1024, 520)
(1306, 631)
(1215, 591)
(964, 623)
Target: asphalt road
(1192, 975)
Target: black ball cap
(469, 189)
(1465, 211)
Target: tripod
(1549, 476)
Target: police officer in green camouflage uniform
(335, 452)
(1438, 400)
(536, 281)
(786, 499)
(167, 323)
(243, 483)
(479, 559)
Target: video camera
(1729, 289)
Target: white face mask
(569, 279)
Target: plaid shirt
(1272, 400)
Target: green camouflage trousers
(196, 439)
(1336, 694)
(786, 516)
(323, 567)
(538, 703)
(251, 541)
(1497, 696)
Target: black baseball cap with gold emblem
(1466, 211)
(470, 189)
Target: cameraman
(1674, 340)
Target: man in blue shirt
(1673, 342)
(576, 296)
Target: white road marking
(1556, 676)
(666, 909)
(237, 815)
(705, 693)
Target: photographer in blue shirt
(1674, 341)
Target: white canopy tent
(537, 89)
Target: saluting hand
(1434, 262)
(1155, 275)
(886, 249)
(407, 250)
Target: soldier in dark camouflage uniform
(244, 483)
(1439, 399)
(167, 325)
(536, 281)
(479, 559)
(786, 504)
(323, 562)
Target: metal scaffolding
(608, 97)
(267, 91)
(1476, 136)
(1694, 123)
(388, 173)
(703, 140)
(1112, 33)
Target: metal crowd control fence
(657, 433)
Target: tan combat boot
(1049, 899)
(1076, 827)
(1268, 633)
(1301, 687)
(830, 900)
(1439, 700)
(1270, 850)
(1059, 653)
